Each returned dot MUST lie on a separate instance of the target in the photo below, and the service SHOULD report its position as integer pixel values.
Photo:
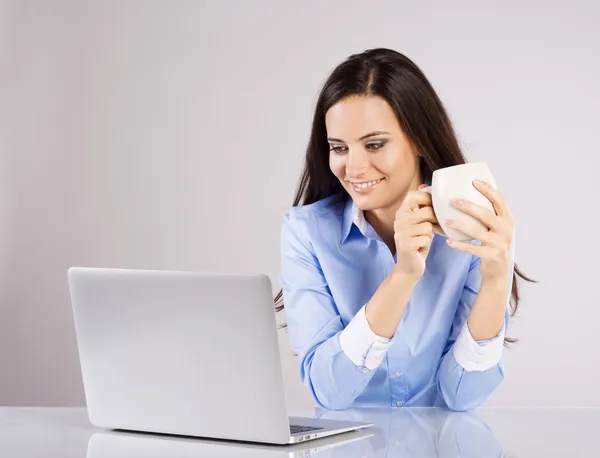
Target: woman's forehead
(356, 116)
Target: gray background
(170, 135)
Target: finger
(414, 200)
(424, 214)
(421, 241)
(485, 215)
(424, 251)
(494, 196)
(406, 220)
(466, 247)
(425, 228)
(475, 231)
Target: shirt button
(399, 403)
(397, 374)
(365, 370)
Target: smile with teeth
(366, 184)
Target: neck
(382, 220)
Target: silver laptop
(185, 353)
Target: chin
(367, 203)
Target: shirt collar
(354, 215)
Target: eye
(374, 146)
(338, 149)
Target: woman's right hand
(413, 233)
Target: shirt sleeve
(480, 355)
(471, 370)
(315, 326)
(361, 345)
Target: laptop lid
(186, 353)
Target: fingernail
(457, 201)
(449, 242)
(449, 222)
(478, 182)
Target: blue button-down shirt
(330, 270)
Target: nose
(357, 164)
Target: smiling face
(370, 154)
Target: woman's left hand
(495, 242)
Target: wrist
(496, 283)
(401, 277)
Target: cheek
(386, 163)
(395, 163)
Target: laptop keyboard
(295, 429)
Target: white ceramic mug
(456, 182)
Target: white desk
(428, 433)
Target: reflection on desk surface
(398, 433)
(525, 432)
(137, 445)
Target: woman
(380, 309)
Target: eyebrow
(371, 134)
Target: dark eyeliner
(380, 144)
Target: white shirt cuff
(361, 345)
(474, 357)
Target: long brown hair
(421, 114)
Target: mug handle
(436, 227)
